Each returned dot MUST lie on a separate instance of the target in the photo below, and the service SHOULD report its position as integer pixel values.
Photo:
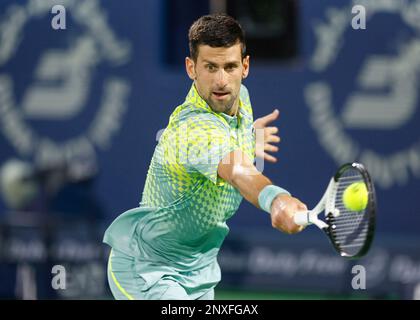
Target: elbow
(242, 175)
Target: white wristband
(267, 195)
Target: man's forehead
(220, 54)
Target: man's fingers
(270, 148)
(273, 138)
(301, 228)
(272, 130)
(270, 117)
(283, 212)
(269, 158)
(301, 207)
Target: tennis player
(201, 169)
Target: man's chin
(217, 107)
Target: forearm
(273, 199)
(250, 186)
(244, 176)
(238, 170)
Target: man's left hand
(264, 146)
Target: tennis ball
(355, 197)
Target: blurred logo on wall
(364, 100)
(74, 83)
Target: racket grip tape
(302, 218)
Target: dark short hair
(215, 30)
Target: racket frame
(327, 204)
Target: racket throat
(309, 217)
(313, 219)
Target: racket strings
(350, 228)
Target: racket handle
(302, 218)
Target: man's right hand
(283, 208)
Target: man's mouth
(220, 94)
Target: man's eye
(230, 68)
(211, 68)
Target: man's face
(218, 74)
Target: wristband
(267, 195)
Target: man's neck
(235, 108)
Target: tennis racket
(351, 232)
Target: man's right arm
(238, 170)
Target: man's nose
(221, 78)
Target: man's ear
(190, 67)
(245, 63)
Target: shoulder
(244, 93)
(192, 114)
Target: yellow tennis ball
(355, 197)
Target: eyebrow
(235, 62)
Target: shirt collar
(194, 98)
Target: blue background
(304, 167)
